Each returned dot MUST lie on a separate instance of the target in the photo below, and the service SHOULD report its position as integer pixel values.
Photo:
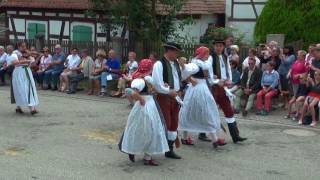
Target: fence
(143, 49)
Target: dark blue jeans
(51, 77)
(39, 76)
(2, 75)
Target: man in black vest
(222, 71)
(166, 75)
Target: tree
(297, 19)
(144, 19)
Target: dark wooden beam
(46, 18)
(17, 33)
(242, 19)
(232, 8)
(254, 8)
(13, 28)
(62, 30)
(249, 3)
(58, 36)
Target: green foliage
(297, 19)
(221, 33)
(140, 17)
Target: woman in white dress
(24, 89)
(145, 132)
(199, 112)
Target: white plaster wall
(19, 25)
(55, 27)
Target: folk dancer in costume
(221, 71)
(24, 89)
(145, 133)
(166, 76)
(199, 112)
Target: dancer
(166, 76)
(24, 89)
(199, 112)
(145, 132)
(222, 71)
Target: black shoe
(71, 92)
(131, 158)
(203, 137)
(234, 132)
(171, 154)
(19, 111)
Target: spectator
(269, 83)
(315, 65)
(310, 55)
(111, 69)
(234, 57)
(312, 99)
(44, 63)
(297, 72)
(228, 42)
(8, 67)
(288, 58)
(97, 69)
(82, 72)
(235, 77)
(252, 54)
(131, 66)
(55, 68)
(275, 58)
(249, 87)
(153, 56)
(3, 56)
(273, 45)
(264, 53)
(72, 62)
(34, 66)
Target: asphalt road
(75, 137)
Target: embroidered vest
(216, 65)
(167, 72)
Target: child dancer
(144, 133)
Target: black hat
(172, 45)
(216, 41)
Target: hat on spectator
(144, 69)
(173, 46)
(58, 46)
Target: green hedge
(297, 19)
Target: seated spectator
(8, 67)
(131, 66)
(97, 69)
(112, 69)
(3, 56)
(234, 54)
(34, 66)
(287, 59)
(44, 62)
(249, 87)
(51, 75)
(298, 71)
(72, 62)
(273, 45)
(269, 83)
(235, 76)
(83, 71)
(252, 54)
(263, 53)
(312, 99)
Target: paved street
(75, 137)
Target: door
(82, 33)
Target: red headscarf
(201, 52)
(144, 69)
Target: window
(82, 33)
(34, 29)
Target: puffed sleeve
(138, 84)
(189, 70)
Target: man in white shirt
(72, 62)
(166, 76)
(3, 56)
(7, 66)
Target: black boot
(234, 132)
(171, 154)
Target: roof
(191, 6)
(48, 4)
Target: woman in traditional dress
(24, 89)
(199, 112)
(145, 132)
